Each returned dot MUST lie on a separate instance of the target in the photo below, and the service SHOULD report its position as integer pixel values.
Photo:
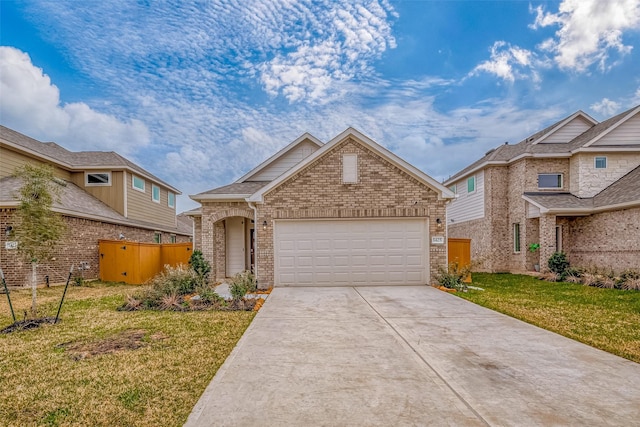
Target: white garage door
(351, 252)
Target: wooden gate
(459, 250)
(135, 263)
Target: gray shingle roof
(624, 190)
(560, 201)
(78, 160)
(236, 188)
(74, 201)
(507, 153)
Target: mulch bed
(27, 324)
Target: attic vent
(490, 151)
(530, 139)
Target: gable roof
(74, 161)
(302, 138)
(602, 129)
(378, 149)
(530, 146)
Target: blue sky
(200, 92)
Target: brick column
(220, 250)
(547, 239)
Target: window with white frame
(172, 238)
(600, 162)
(157, 237)
(516, 237)
(471, 184)
(155, 193)
(97, 179)
(549, 180)
(171, 200)
(349, 168)
(137, 183)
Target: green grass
(608, 319)
(49, 377)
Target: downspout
(255, 240)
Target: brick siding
(607, 240)
(78, 245)
(317, 192)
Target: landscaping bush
(166, 291)
(558, 264)
(200, 265)
(453, 276)
(241, 284)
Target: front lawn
(608, 319)
(105, 367)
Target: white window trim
(153, 193)
(88, 184)
(144, 184)
(169, 194)
(475, 184)
(519, 239)
(347, 172)
(595, 162)
(552, 188)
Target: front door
(235, 252)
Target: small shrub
(200, 266)
(171, 302)
(208, 295)
(549, 276)
(453, 276)
(558, 264)
(175, 280)
(241, 284)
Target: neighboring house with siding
(572, 187)
(104, 196)
(343, 213)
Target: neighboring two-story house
(103, 196)
(572, 187)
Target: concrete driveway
(410, 355)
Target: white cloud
(590, 31)
(31, 104)
(606, 107)
(509, 63)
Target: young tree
(38, 229)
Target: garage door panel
(351, 252)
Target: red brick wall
(79, 245)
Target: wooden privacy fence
(135, 263)
(459, 250)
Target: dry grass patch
(103, 367)
(604, 318)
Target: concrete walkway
(400, 356)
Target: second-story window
(471, 184)
(454, 189)
(549, 180)
(600, 162)
(137, 183)
(171, 200)
(97, 179)
(155, 193)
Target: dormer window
(549, 180)
(96, 179)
